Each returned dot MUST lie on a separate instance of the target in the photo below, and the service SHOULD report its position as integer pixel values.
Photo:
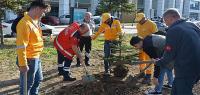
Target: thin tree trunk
(1, 32)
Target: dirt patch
(120, 82)
(102, 86)
(120, 70)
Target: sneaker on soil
(152, 92)
(87, 64)
(167, 86)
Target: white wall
(147, 8)
(160, 7)
(64, 7)
(179, 5)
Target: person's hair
(38, 3)
(89, 13)
(172, 12)
(134, 40)
(84, 25)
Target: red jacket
(66, 38)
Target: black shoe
(60, 73)
(87, 64)
(78, 65)
(167, 86)
(69, 79)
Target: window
(195, 5)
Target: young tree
(113, 6)
(14, 5)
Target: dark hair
(83, 25)
(38, 3)
(135, 39)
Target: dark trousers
(63, 64)
(85, 42)
(183, 86)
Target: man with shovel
(29, 47)
(153, 45)
(67, 45)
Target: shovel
(87, 77)
(142, 62)
(25, 84)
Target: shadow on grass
(9, 90)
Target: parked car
(46, 29)
(6, 27)
(161, 28)
(64, 19)
(50, 20)
(97, 21)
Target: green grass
(97, 44)
(49, 54)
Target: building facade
(63, 7)
(154, 8)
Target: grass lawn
(49, 54)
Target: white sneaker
(152, 92)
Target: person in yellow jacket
(29, 47)
(144, 28)
(112, 31)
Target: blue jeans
(34, 77)
(107, 52)
(170, 78)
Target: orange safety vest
(63, 43)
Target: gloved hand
(93, 37)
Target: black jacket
(182, 46)
(153, 46)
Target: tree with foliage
(15, 5)
(113, 6)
